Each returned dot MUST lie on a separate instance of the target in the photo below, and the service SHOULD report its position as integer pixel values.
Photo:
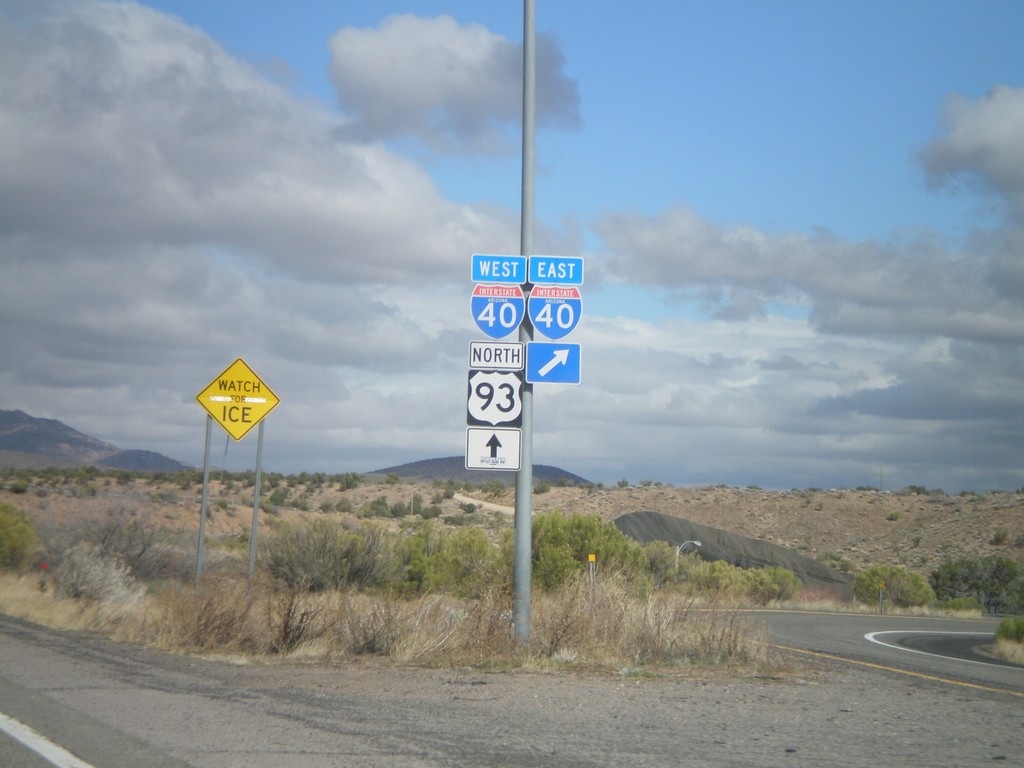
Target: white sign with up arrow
(489, 448)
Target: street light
(681, 547)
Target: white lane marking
(42, 746)
(873, 638)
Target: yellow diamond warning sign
(237, 399)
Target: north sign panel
(497, 355)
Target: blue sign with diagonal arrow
(551, 363)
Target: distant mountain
(454, 468)
(26, 441)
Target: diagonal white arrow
(561, 357)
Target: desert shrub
(495, 488)
(772, 583)
(379, 507)
(966, 604)
(1011, 629)
(902, 587)
(216, 618)
(371, 628)
(148, 552)
(17, 538)
(430, 513)
(85, 573)
(325, 555)
(294, 617)
(562, 544)
(464, 562)
(995, 582)
(719, 579)
(661, 562)
(836, 560)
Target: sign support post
(238, 400)
(202, 507)
(255, 506)
(522, 565)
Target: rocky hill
(845, 529)
(454, 468)
(27, 441)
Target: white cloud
(458, 88)
(123, 126)
(164, 208)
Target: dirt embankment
(845, 528)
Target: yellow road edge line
(923, 675)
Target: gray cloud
(457, 88)
(914, 288)
(983, 142)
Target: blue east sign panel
(551, 363)
(503, 270)
(556, 270)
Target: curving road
(955, 651)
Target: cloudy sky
(802, 222)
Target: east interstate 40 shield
(555, 310)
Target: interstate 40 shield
(498, 309)
(554, 309)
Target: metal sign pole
(202, 508)
(521, 571)
(255, 505)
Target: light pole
(681, 547)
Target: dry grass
(606, 627)
(1009, 650)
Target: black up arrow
(494, 444)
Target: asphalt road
(117, 706)
(952, 650)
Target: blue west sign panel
(556, 270)
(552, 363)
(502, 270)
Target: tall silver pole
(255, 505)
(521, 571)
(202, 508)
